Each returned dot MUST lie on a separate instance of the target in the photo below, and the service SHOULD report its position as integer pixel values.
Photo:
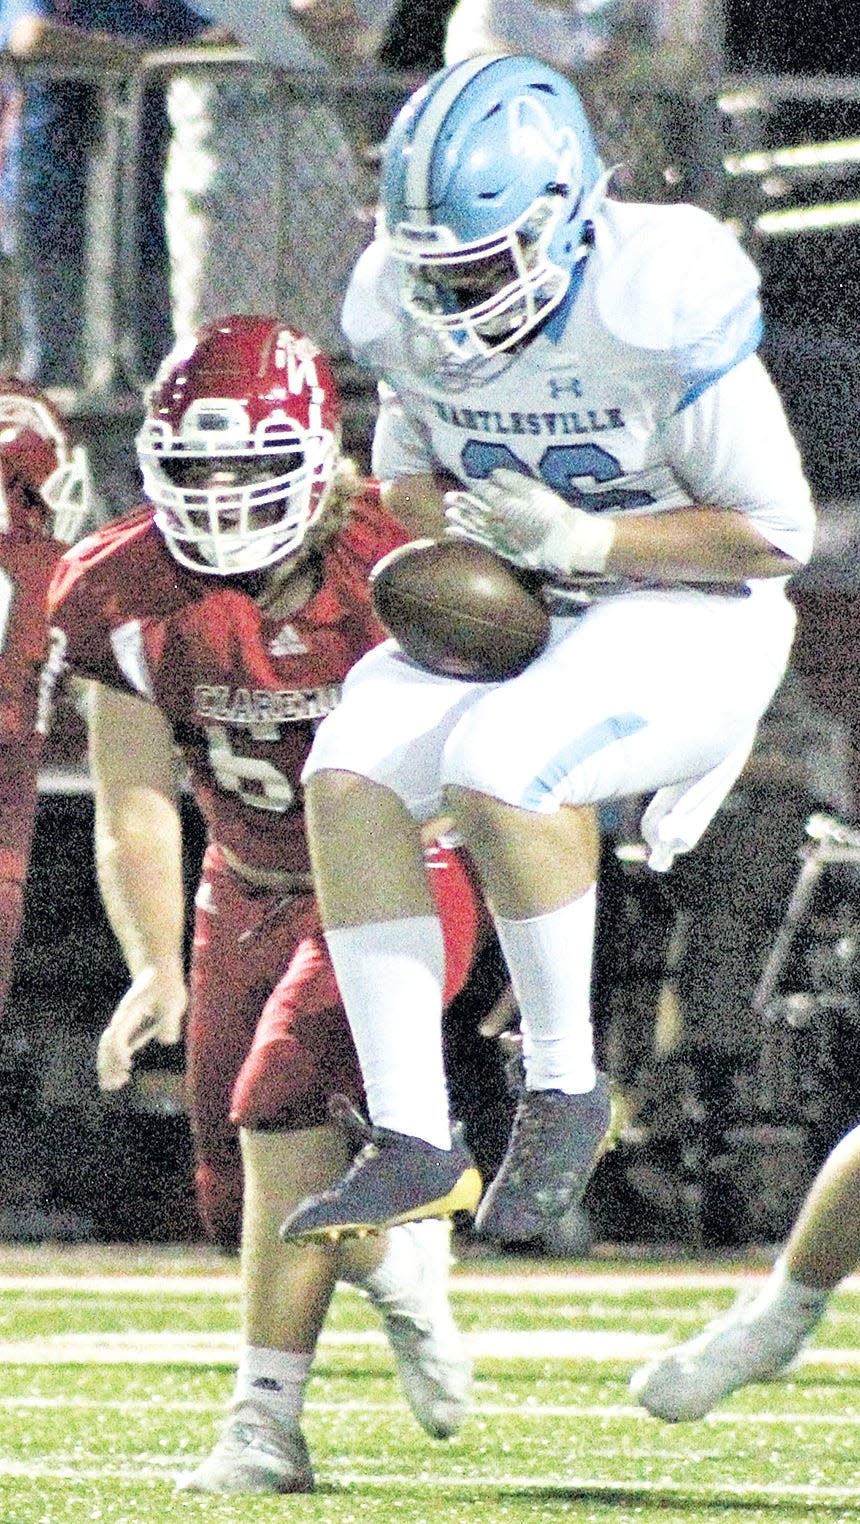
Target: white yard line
(468, 1282)
(529, 1411)
(571, 1488)
(178, 1347)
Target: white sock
(792, 1296)
(273, 1379)
(417, 1259)
(549, 961)
(391, 976)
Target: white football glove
(529, 524)
(151, 1009)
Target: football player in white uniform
(762, 1335)
(575, 381)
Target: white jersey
(640, 393)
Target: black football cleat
(395, 1178)
(555, 1143)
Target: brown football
(459, 610)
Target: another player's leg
(286, 1293)
(588, 721)
(539, 874)
(405, 1276)
(286, 1290)
(386, 944)
(763, 1333)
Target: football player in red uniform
(217, 625)
(44, 499)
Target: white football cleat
(410, 1292)
(253, 1454)
(755, 1340)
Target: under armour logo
(558, 385)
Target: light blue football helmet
(490, 176)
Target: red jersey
(27, 562)
(242, 691)
(26, 566)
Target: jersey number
(258, 783)
(565, 468)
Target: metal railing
(307, 137)
(778, 157)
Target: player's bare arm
(138, 850)
(419, 501)
(533, 526)
(694, 544)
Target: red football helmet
(35, 451)
(239, 444)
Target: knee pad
(297, 1060)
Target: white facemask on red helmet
(35, 449)
(239, 444)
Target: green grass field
(115, 1367)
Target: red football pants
(267, 1036)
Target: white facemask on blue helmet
(490, 177)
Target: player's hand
(527, 523)
(152, 1009)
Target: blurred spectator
(51, 134)
(577, 35)
(264, 185)
(624, 56)
(341, 34)
(415, 36)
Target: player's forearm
(138, 829)
(139, 871)
(693, 544)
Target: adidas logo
(287, 642)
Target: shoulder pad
(370, 317)
(103, 554)
(675, 280)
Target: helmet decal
(532, 130)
